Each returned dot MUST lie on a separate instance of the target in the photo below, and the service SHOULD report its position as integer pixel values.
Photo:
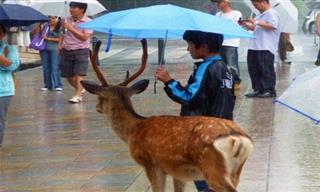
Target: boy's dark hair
(212, 40)
(83, 6)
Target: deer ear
(139, 86)
(91, 87)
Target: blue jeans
(4, 104)
(230, 57)
(50, 61)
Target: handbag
(38, 42)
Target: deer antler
(143, 64)
(93, 59)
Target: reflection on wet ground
(51, 145)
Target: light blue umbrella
(163, 21)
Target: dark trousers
(261, 70)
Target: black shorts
(74, 62)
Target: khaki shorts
(74, 62)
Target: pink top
(71, 42)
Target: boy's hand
(162, 74)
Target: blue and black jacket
(209, 91)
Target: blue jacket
(6, 79)
(209, 91)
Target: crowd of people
(65, 54)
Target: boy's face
(196, 53)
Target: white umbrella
(18, 2)
(60, 7)
(287, 11)
(303, 96)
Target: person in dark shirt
(209, 91)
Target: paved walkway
(51, 145)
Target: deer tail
(235, 150)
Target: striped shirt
(70, 41)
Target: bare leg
(75, 83)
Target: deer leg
(157, 178)
(178, 185)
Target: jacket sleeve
(13, 56)
(183, 95)
(177, 92)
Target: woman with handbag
(9, 61)
(50, 59)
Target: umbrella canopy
(303, 96)
(60, 8)
(163, 21)
(287, 11)
(18, 15)
(19, 2)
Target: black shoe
(253, 94)
(317, 63)
(267, 95)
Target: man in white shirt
(262, 49)
(229, 51)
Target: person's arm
(53, 39)
(175, 90)
(82, 35)
(262, 24)
(36, 29)
(251, 24)
(318, 24)
(9, 60)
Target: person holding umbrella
(209, 91)
(9, 61)
(74, 49)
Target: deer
(187, 148)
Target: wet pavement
(51, 145)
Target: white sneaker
(44, 89)
(82, 92)
(58, 89)
(75, 99)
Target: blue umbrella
(163, 21)
(18, 15)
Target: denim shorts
(74, 62)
